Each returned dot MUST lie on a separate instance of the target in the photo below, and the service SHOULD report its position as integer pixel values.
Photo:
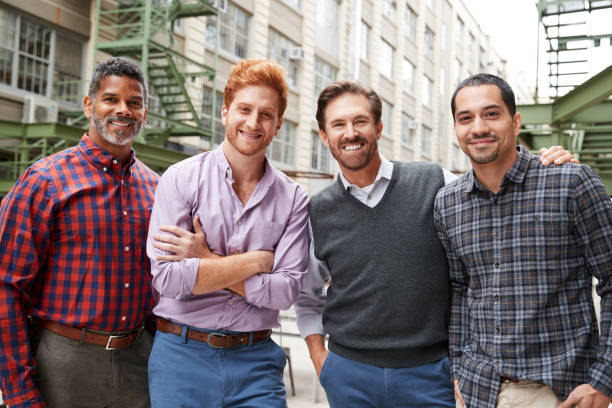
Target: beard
(483, 155)
(354, 161)
(118, 137)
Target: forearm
(315, 344)
(225, 272)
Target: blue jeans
(349, 383)
(190, 374)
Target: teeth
(352, 147)
(122, 124)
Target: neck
(245, 169)
(491, 175)
(365, 176)
(121, 152)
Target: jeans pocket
(324, 369)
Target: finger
(575, 161)
(197, 225)
(564, 158)
(166, 238)
(178, 231)
(165, 247)
(542, 151)
(569, 402)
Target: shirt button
(127, 249)
(496, 265)
(230, 303)
(124, 318)
(497, 330)
(105, 169)
(369, 196)
(114, 161)
(235, 252)
(124, 212)
(127, 285)
(496, 297)
(239, 222)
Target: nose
(350, 130)
(122, 108)
(480, 126)
(252, 120)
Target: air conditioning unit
(296, 53)
(221, 5)
(38, 109)
(413, 124)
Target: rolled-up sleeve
(279, 289)
(171, 279)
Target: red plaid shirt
(72, 248)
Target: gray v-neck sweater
(388, 302)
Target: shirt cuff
(27, 397)
(309, 323)
(600, 377)
(257, 289)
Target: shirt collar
(102, 159)
(384, 171)
(266, 181)
(516, 174)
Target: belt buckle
(110, 338)
(214, 334)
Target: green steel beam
(593, 91)
(539, 114)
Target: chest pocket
(264, 235)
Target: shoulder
(146, 173)
(287, 187)
(328, 196)
(186, 170)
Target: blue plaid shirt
(521, 263)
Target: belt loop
(184, 334)
(250, 339)
(83, 332)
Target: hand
(318, 359)
(556, 155)
(183, 244)
(585, 396)
(458, 396)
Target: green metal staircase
(143, 30)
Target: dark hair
(487, 79)
(339, 88)
(118, 66)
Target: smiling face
(485, 129)
(252, 120)
(117, 113)
(350, 131)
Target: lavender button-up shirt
(275, 219)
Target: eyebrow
(494, 106)
(139, 97)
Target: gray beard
(121, 138)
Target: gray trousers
(74, 375)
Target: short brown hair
(339, 88)
(250, 72)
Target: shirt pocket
(264, 235)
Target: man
(374, 244)
(523, 242)
(213, 346)
(72, 234)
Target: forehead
(258, 95)
(119, 84)
(348, 105)
(472, 98)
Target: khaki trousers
(526, 394)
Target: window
(429, 42)
(457, 68)
(320, 160)
(427, 91)
(206, 113)
(411, 24)
(459, 31)
(328, 17)
(282, 148)
(482, 59)
(389, 9)
(425, 141)
(472, 47)
(408, 75)
(409, 127)
(387, 119)
(28, 45)
(386, 59)
(325, 74)
(233, 31)
(364, 48)
(294, 3)
(443, 32)
(442, 81)
(279, 49)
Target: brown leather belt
(214, 339)
(509, 380)
(111, 341)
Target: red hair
(250, 72)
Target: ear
(224, 115)
(323, 137)
(379, 129)
(144, 117)
(87, 107)
(517, 122)
(280, 123)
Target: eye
(266, 115)
(492, 114)
(110, 99)
(136, 104)
(463, 119)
